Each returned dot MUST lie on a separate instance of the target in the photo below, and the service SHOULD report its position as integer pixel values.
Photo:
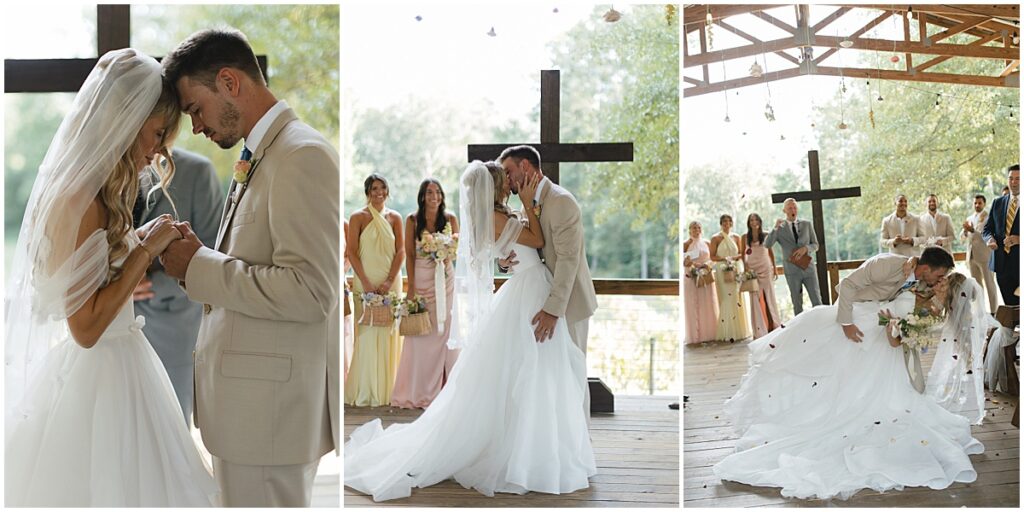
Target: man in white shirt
(900, 230)
(935, 227)
(978, 252)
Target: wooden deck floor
(711, 375)
(637, 451)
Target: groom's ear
(230, 80)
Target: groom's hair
(936, 257)
(205, 53)
(529, 153)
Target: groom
(885, 275)
(267, 360)
(572, 291)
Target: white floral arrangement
(440, 247)
(916, 329)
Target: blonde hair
(954, 282)
(119, 193)
(500, 178)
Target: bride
(823, 417)
(91, 417)
(509, 418)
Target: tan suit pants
(264, 486)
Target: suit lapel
(234, 198)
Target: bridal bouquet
(440, 247)
(916, 328)
(413, 316)
(378, 309)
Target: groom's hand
(544, 323)
(509, 262)
(179, 254)
(853, 333)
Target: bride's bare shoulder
(94, 219)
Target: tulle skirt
(508, 420)
(823, 417)
(101, 427)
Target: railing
(663, 287)
(834, 267)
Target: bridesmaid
(426, 360)
(732, 319)
(700, 303)
(347, 332)
(375, 250)
(764, 311)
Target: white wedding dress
(101, 427)
(822, 417)
(509, 418)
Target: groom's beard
(229, 118)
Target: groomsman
(1002, 234)
(797, 239)
(900, 230)
(172, 320)
(935, 227)
(978, 252)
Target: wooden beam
(944, 78)
(564, 152)
(704, 51)
(939, 60)
(695, 15)
(706, 57)
(775, 21)
(1008, 11)
(693, 81)
(908, 58)
(871, 24)
(113, 27)
(809, 195)
(829, 19)
(952, 50)
(963, 26)
(979, 31)
(647, 287)
(1010, 68)
(754, 40)
(741, 82)
(57, 75)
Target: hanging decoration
(612, 15)
(492, 33)
(708, 22)
(725, 93)
(755, 69)
(670, 14)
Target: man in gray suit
(172, 320)
(796, 237)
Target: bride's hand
(143, 230)
(528, 190)
(160, 235)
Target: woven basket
(750, 285)
(728, 276)
(377, 316)
(705, 280)
(416, 324)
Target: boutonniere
(536, 211)
(243, 169)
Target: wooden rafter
(987, 24)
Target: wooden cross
(113, 31)
(815, 196)
(551, 150)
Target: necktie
(907, 285)
(796, 237)
(246, 154)
(139, 209)
(540, 251)
(1011, 212)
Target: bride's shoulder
(94, 219)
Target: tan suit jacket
(878, 278)
(943, 232)
(891, 229)
(267, 356)
(977, 249)
(572, 292)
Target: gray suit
(797, 277)
(172, 320)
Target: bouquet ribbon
(912, 360)
(441, 306)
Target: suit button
(207, 308)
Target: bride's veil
(956, 379)
(49, 278)
(474, 264)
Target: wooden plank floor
(712, 374)
(637, 450)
